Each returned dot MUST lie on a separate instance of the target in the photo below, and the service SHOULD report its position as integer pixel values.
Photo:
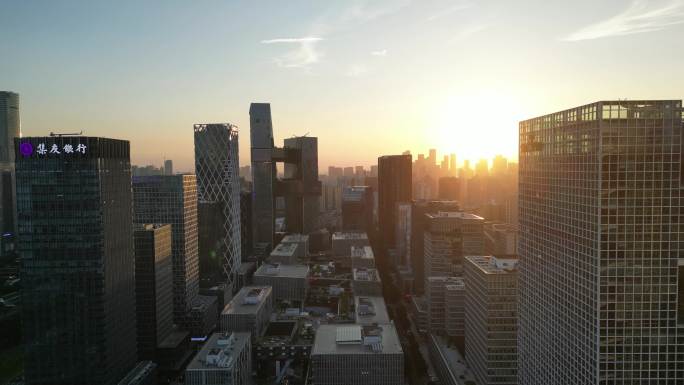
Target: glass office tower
(218, 193)
(600, 245)
(75, 238)
(173, 200)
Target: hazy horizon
(368, 78)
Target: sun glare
(478, 125)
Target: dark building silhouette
(75, 239)
(9, 129)
(449, 188)
(168, 167)
(394, 186)
(300, 187)
(357, 208)
(153, 287)
(246, 224)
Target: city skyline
(375, 192)
(470, 70)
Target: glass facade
(600, 240)
(75, 238)
(173, 200)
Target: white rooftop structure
(361, 274)
(248, 300)
(295, 238)
(362, 252)
(282, 270)
(356, 339)
(350, 236)
(494, 265)
(455, 214)
(370, 310)
(284, 250)
(220, 351)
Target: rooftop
(295, 238)
(349, 235)
(454, 214)
(282, 270)
(370, 310)
(220, 351)
(248, 300)
(366, 275)
(354, 193)
(362, 252)
(284, 249)
(494, 265)
(356, 339)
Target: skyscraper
(153, 287)
(9, 129)
(357, 208)
(395, 185)
(263, 172)
(300, 186)
(303, 208)
(600, 245)
(75, 238)
(218, 193)
(168, 167)
(173, 200)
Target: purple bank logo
(26, 149)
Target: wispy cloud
(468, 31)
(448, 11)
(303, 56)
(639, 17)
(382, 52)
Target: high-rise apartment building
(491, 319)
(75, 239)
(173, 200)
(153, 287)
(394, 184)
(600, 245)
(218, 194)
(9, 129)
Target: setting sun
(478, 125)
